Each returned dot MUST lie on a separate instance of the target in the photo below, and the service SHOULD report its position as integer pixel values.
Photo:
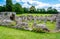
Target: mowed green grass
(10, 33)
(34, 14)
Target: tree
(9, 5)
(13, 8)
(32, 9)
(1, 8)
(26, 10)
(55, 10)
(18, 8)
(52, 10)
(49, 10)
(42, 10)
(4, 8)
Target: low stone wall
(22, 22)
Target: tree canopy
(32, 9)
(17, 7)
(9, 5)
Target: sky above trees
(37, 3)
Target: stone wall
(5, 18)
(58, 22)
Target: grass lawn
(34, 14)
(10, 33)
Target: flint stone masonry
(58, 22)
(22, 21)
(5, 18)
(7, 13)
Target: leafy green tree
(18, 8)
(38, 10)
(4, 8)
(55, 10)
(52, 10)
(42, 10)
(13, 8)
(1, 8)
(49, 10)
(9, 5)
(32, 9)
(26, 10)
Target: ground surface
(9, 33)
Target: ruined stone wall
(58, 22)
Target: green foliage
(32, 9)
(9, 5)
(42, 10)
(13, 8)
(18, 8)
(2, 8)
(26, 10)
(51, 10)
